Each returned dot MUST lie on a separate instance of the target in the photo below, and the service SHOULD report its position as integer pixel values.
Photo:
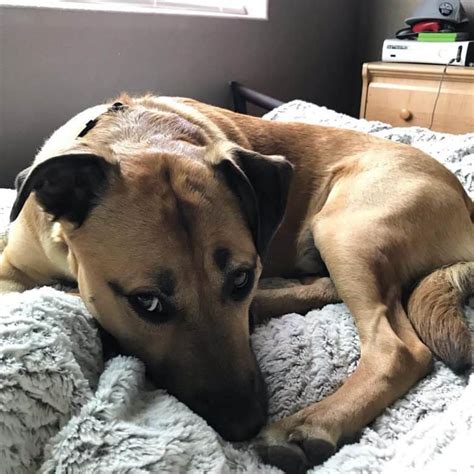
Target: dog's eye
(241, 279)
(242, 282)
(147, 305)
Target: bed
(62, 409)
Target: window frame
(255, 9)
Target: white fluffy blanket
(62, 411)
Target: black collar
(116, 107)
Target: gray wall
(380, 20)
(55, 63)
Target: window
(256, 9)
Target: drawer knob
(405, 114)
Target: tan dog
(162, 210)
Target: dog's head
(166, 249)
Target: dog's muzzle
(236, 413)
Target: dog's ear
(261, 184)
(66, 186)
(20, 178)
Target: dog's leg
(276, 297)
(392, 359)
(23, 263)
(12, 278)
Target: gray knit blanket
(62, 410)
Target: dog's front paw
(295, 445)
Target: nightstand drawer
(405, 95)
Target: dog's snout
(236, 413)
(237, 419)
(242, 429)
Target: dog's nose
(236, 414)
(240, 429)
(236, 421)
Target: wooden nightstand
(404, 95)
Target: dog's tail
(435, 310)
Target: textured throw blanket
(61, 410)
